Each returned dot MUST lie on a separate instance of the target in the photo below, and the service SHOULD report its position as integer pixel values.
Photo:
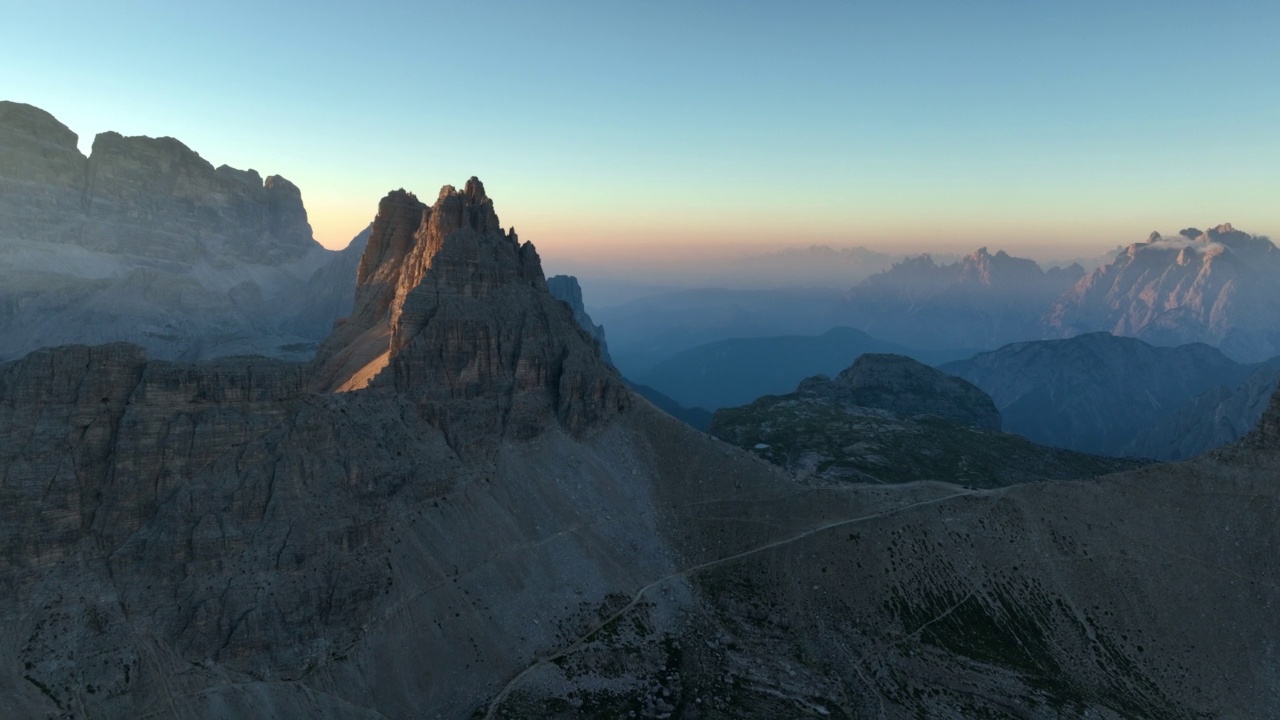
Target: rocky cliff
(147, 242)
(566, 289)
(1217, 287)
(454, 312)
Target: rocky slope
(981, 301)
(1217, 287)
(890, 419)
(145, 241)
(1220, 416)
(695, 417)
(490, 528)
(1094, 393)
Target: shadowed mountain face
(1094, 393)
(1221, 415)
(566, 289)
(147, 242)
(454, 312)
(890, 419)
(490, 527)
(1217, 287)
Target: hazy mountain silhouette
(1094, 393)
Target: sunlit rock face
(145, 241)
(1217, 286)
(454, 311)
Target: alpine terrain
(458, 509)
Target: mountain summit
(1217, 287)
(454, 311)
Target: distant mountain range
(646, 331)
(984, 300)
(1219, 416)
(734, 372)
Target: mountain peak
(474, 190)
(444, 314)
(32, 123)
(908, 387)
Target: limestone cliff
(1217, 287)
(566, 289)
(454, 312)
(147, 242)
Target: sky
(608, 131)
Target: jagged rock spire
(455, 313)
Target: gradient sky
(609, 129)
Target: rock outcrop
(1218, 287)
(145, 241)
(566, 289)
(454, 312)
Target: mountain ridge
(147, 242)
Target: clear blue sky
(604, 127)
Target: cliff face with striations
(145, 241)
(566, 289)
(454, 312)
(1217, 287)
